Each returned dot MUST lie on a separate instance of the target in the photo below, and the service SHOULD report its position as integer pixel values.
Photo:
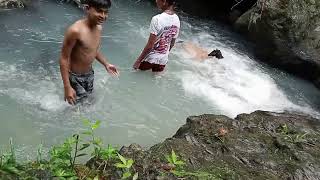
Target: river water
(136, 107)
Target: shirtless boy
(199, 53)
(80, 49)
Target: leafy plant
(62, 162)
(63, 158)
(39, 154)
(109, 153)
(173, 160)
(126, 165)
(8, 161)
(96, 142)
(284, 129)
(292, 136)
(297, 138)
(9, 168)
(179, 171)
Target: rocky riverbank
(260, 145)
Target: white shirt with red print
(166, 27)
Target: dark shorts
(82, 83)
(155, 67)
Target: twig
(236, 4)
(75, 152)
(86, 175)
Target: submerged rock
(260, 145)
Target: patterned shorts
(154, 67)
(82, 84)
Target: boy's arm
(109, 67)
(152, 39)
(69, 42)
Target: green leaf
(96, 178)
(76, 136)
(126, 175)
(86, 122)
(79, 155)
(303, 135)
(119, 165)
(11, 169)
(96, 125)
(135, 177)
(111, 149)
(123, 159)
(169, 159)
(84, 146)
(97, 142)
(173, 156)
(87, 133)
(179, 162)
(129, 163)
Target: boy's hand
(70, 95)
(111, 69)
(136, 64)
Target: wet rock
(257, 146)
(11, 4)
(286, 39)
(223, 10)
(41, 174)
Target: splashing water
(138, 106)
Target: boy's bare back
(195, 51)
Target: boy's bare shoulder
(75, 28)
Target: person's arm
(109, 67)
(152, 39)
(69, 42)
(172, 43)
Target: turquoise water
(136, 107)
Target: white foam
(234, 84)
(27, 88)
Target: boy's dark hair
(217, 53)
(171, 2)
(98, 3)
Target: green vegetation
(126, 165)
(176, 167)
(102, 162)
(62, 163)
(292, 136)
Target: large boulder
(10, 4)
(287, 33)
(260, 145)
(224, 10)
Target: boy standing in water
(80, 48)
(164, 30)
